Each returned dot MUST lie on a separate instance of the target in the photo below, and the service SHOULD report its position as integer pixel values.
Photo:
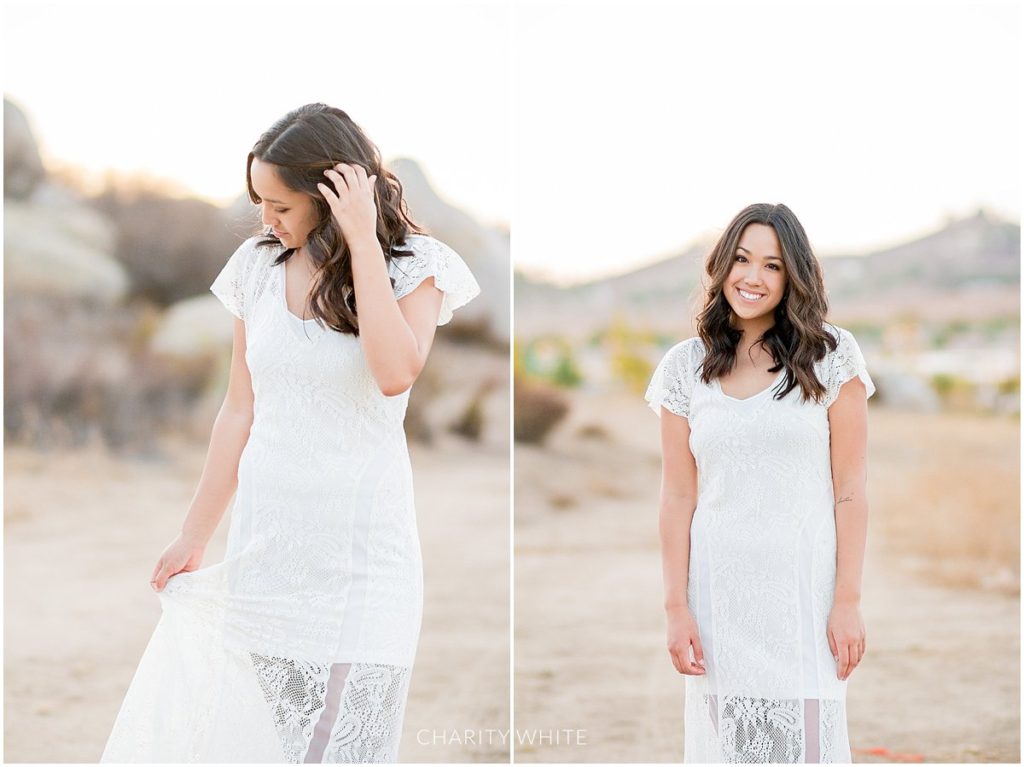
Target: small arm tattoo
(841, 500)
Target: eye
(738, 256)
(774, 266)
(283, 210)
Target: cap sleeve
(842, 365)
(672, 381)
(232, 284)
(432, 258)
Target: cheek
(308, 218)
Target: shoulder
(845, 342)
(685, 355)
(835, 331)
(421, 248)
(690, 349)
(421, 256)
(842, 364)
(252, 252)
(262, 248)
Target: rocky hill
(969, 269)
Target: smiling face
(757, 280)
(292, 214)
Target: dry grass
(945, 496)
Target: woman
(299, 646)
(763, 433)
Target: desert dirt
(83, 530)
(940, 680)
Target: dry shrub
(171, 248)
(594, 431)
(424, 392)
(538, 408)
(77, 371)
(475, 330)
(471, 423)
(562, 501)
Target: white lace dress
(762, 563)
(299, 646)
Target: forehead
(267, 184)
(759, 238)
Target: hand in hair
(352, 201)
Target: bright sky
(611, 133)
(640, 126)
(183, 90)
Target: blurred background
(892, 131)
(126, 130)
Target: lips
(280, 234)
(750, 296)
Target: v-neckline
(291, 319)
(284, 293)
(772, 385)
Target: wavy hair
(798, 338)
(303, 144)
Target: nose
(752, 277)
(266, 216)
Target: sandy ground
(940, 681)
(82, 533)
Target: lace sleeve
(432, 258)
(842, 365)
(672, 382)
(231, 284)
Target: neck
(752, 329)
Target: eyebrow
(739, 247)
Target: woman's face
(292, 214)
(757, 280)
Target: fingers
(681, 660)
(328, 193)
(676, 661)
(844, 660)
(854, 658)
(346, 178)
(163, 573)
(832, 645)
(361, 179)
(159, 579)
(353, 176)
(340, 183)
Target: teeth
(750, 296)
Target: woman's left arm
(848, 424)
(396, 335)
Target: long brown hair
(798, 338)
(303, 144)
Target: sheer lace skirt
(199, 697)
(742, 729)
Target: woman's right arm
(219, 478)
(677, 505)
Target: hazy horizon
(710, 237)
